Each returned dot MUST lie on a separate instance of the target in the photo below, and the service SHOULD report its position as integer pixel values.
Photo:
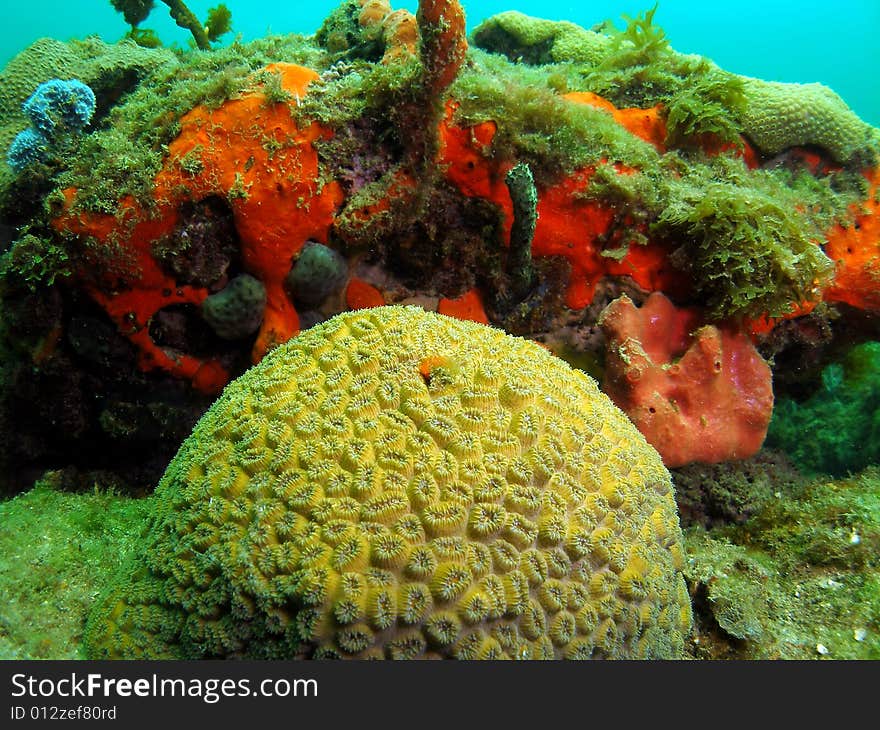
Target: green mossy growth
(748, 248)
(350, 91)
(536, 126)
(640, 43)
(823, 523)
(58, 550)
(837, 430)
(35, 263)
(705, 105)
(219, 22)
(273, 89)
(732, 491)
(144, 37)
(746, 237)
(109, 163)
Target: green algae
(749, 250)
(537, 126)
(842, 417)
(34, 263)
(705, 105)
(58, 551)
(747, 608)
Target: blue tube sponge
(28, 146)
(58, 106)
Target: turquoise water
(835, 43)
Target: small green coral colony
(394, 483)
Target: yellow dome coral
(395, 483)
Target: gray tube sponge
(237, 310)
(317, 273)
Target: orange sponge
(248, 151)
(856, 253)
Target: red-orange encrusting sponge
(360, 295)
(121, 275)
(569, 225)
(254, 154)
(855, 251)
(372, 12)
(401, 35)
(465, 158)
(697, 393)
(468, 306)
(647, 124)
(762, 325)
(248, 151)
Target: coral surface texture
(396, 483)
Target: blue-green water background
(836, 42)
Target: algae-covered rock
(800, 579)
(395, 483)
(732, 491)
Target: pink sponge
(697, 393)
